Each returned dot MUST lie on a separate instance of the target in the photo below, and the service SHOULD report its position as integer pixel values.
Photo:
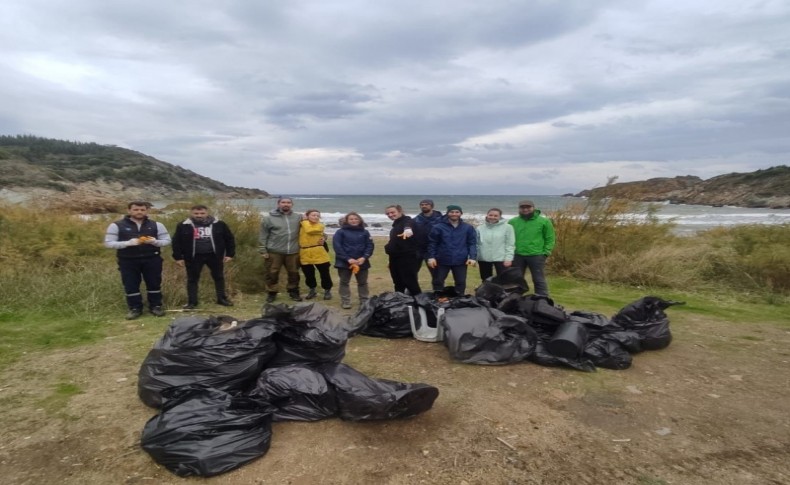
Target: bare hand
(432, 263)
(180, 262)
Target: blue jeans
(459, 277)
(536, 265)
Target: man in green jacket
(534, 243)
(279, 246)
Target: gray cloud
(415, 97)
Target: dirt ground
(712, 408)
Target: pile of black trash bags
(501, 324)
(220, 383)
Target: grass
(60, 288)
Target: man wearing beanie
(423, 223)
(534, 243)
(452, 246)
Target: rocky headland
(768, 188)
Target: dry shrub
(671, 266)
(605, 229)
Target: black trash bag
(511, 304)
(308, 333)
(487, 336)
(205, 432)
(595, 323)
(512, 280)
(491, 292)
(360, 320)
(629, 339)
(541, 311)
(362, 398)
(607, 352)
(297, 392)
(446, 292)
(390, 318)
(542, 356)
(467, 301)
(569, 340)
(211, 351)
(646, 316)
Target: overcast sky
(408, 97)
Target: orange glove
(354, 268)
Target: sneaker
(328, 295)
(310, 294)
(271, 297)
(224, 302)
(158, 311)
(189, 306)
(134, 313)
(295, 296)
(345, 305)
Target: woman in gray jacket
(496, 243)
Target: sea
(687, 219)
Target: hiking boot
(158, 311)
(310, 294)
(328, 295)
(271, 297)
(189, 306)
(346, 305)
(134, 313)
(224, 302)
(294, 295)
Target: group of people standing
(449, 245)
(293, 242)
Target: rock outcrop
(764, 188)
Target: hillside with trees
(35, 167)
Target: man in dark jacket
(138, 240)
(452, 246)
(404, 261)
(203, 240)
(423, 223)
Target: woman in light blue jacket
(496, 243)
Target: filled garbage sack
(646, 317)
(512, 280)
(569, 340)
(362, 398)
(390, 317)
(219, 352)
(487, 336)
(595, 323)
(296, 392)
(205, 432)
(307, 333)
(491, 292)
(360, 320)
(607, 352)
(542, 356)
(542, 311)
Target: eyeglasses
(525, 207)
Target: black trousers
(195, 266)
(323, 271)
(136, 270)
(403, 270)
(487, 268)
